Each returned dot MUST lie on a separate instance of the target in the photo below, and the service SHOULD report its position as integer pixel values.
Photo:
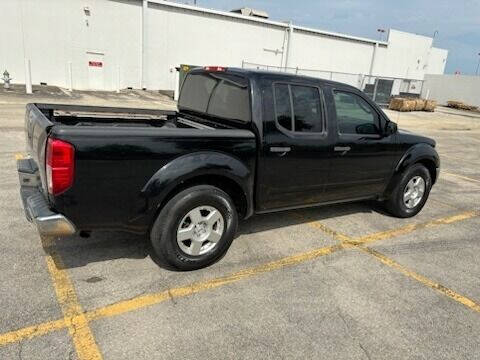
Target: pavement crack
(364, 350)
(20, 350)
(170, 295)
(354, 338)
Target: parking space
(344, 281)
(105, 267)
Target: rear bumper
(35, 205)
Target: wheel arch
(421, 153)
(204, 168)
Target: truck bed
(76, 115)
(118, 151)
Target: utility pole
(476, 72)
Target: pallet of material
(460, 105)
(430, 105)
(419, 105)
(406, 104)
(402, 104)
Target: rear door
(294, 160)
(363, 156)
(96, 77)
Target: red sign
(95, 63)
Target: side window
(283, 107)
(300, 103)
(306, 109)
(355, 115)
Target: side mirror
(390, 128)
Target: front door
(294, 162)
(363, 156)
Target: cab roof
(275, 75)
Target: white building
(106, 44)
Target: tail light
(215, 68)
(60, 165)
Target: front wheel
(411, 192)
(195, 228)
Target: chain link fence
(379, 88)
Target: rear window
(216, 94)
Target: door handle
(281, 150)
(342, 149)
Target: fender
(417, 153)
(193, 165)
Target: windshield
(221, 95)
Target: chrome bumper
(35, 205)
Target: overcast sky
(457, 22)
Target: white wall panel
(313, 51)
(443, 88)
(407, 56)
(437, 61)
(180, 36)
(56, 32)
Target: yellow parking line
(31, 331)
(422, 279)
(75, 318)
(73, 314)
(151, 299)
(412, 227)
(360, 242)
(335, 234)
(147, 300)
(461, 177)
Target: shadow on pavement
(76, 251)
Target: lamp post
(381, 31)
(435, 33)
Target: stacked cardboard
(460, 105)
(430, 105)
(419, 104)
(405, 104)
(401, 104)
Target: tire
(195, 228)
(397, 204)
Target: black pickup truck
(242, 142)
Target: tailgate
(37, 128)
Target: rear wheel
(195, 228)
(411, 192)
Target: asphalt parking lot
(344, 282)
